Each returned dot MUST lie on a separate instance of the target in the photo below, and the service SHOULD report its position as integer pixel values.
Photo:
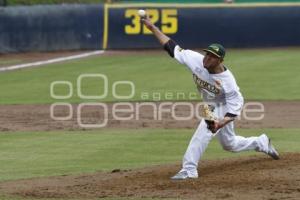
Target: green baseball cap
(216, 49)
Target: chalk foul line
(50, 61)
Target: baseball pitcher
(224, 101)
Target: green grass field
(268, 74)
(264, 74)
(25, 154)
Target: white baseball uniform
(221, 91)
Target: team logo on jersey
(201, 84)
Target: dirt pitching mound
(254, 177)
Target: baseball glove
(209, 117)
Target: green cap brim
(210, 51)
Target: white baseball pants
(227, 139)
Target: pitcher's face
(210, 60)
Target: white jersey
(220, 89)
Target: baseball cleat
(182, 175)
(272, 151)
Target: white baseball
(142, 13)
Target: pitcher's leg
(234, 143)
(196, 148)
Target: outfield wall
(50, 28)
(196, 26)
(117, 26)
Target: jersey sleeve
(193, 60)
(234, 102)
(233, 98)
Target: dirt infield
(278, 114)
(255, 177)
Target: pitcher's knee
(229, 146)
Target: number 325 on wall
(168, 17)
